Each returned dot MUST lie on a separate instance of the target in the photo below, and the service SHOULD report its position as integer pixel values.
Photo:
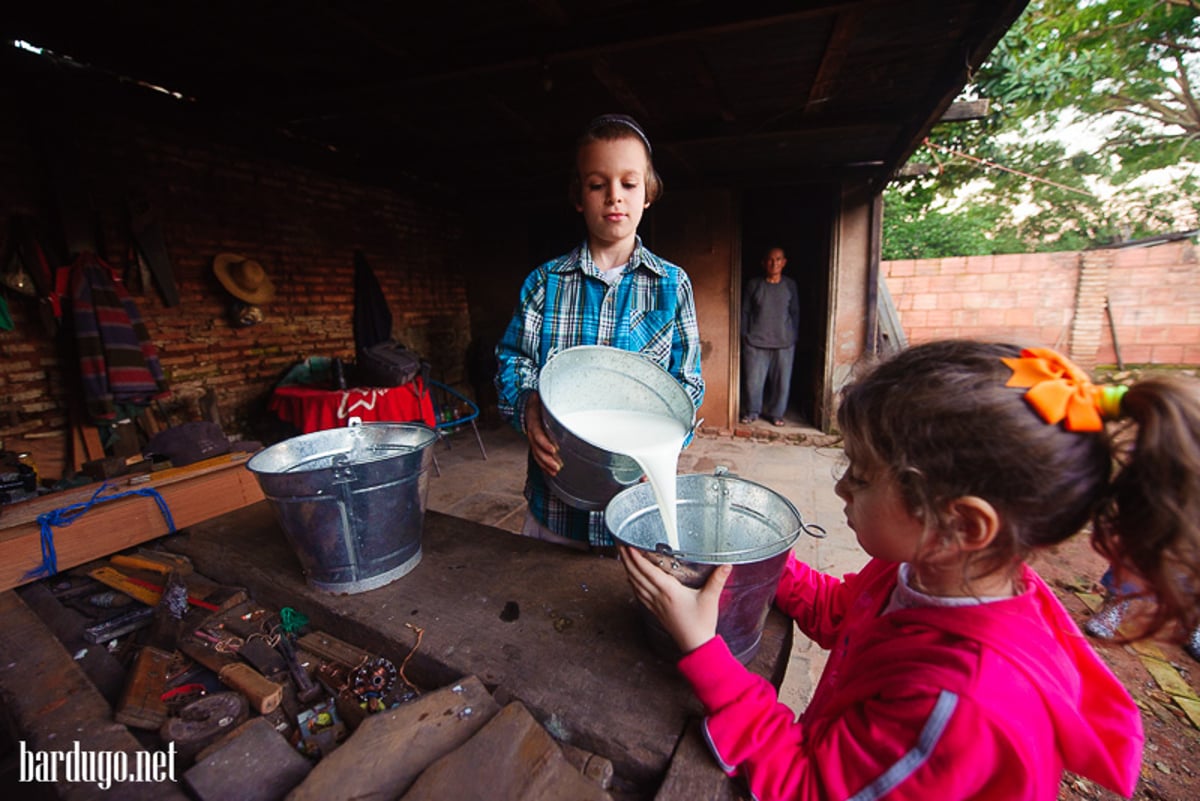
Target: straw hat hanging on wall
(244, 278)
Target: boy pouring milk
(609, 291)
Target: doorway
(798, 219)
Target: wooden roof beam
(824, 85)
(620, 89)
(393, 86)
(706, 79)
(628, 98)
(964, 110)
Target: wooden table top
(575, 654)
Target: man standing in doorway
(770, 325)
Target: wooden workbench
(576, 654)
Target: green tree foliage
(1129, 70)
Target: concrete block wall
(1058, 300)
(302, 225)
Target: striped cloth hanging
(118, 363)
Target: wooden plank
(141, 705)
(254, 751)
(962, 110)
(331, 649)
(576, 655)
(48, 696)
(48, 450)
(91, 441)
(510, 757)
(22, 512)
(694, 773)
(79, 454)
(391, 749)
(212, 488)
(67, 624)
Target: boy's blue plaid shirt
(564, 303)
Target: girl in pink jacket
(954, 672)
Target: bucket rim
(557, 357)
(785, 542)
(255, 463)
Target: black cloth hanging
(372, 318)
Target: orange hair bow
(1061, 391)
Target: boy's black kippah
(621, 119)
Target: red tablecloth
(312, 409)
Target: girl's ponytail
(1150, 525)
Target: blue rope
(67, 515)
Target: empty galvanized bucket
(723, 519)
(595, 377)
(351, 501)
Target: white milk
(652, 440)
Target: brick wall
(1058, 299)
(301, 224)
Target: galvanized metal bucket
(723, 519)
(595, 377)
(351, 501)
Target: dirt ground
(1171, 762)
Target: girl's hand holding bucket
(688, 615)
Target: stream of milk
(652, 440)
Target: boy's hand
(689, 616)
(543, 448)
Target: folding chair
(452, 410)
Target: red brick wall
(1155, 297)
(302, 225)
(1058, 299)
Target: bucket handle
(394, 446)
(744, 554)
(343, 470)
(355, 424)
(813, 530)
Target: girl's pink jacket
(988, 701)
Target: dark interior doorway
(798, 219)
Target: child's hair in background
(608, 128)
(939, 419)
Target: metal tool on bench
(307, 690)
(263, 695)
(372, 681)
(204, 720)
(119, 626)
(145, 591)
